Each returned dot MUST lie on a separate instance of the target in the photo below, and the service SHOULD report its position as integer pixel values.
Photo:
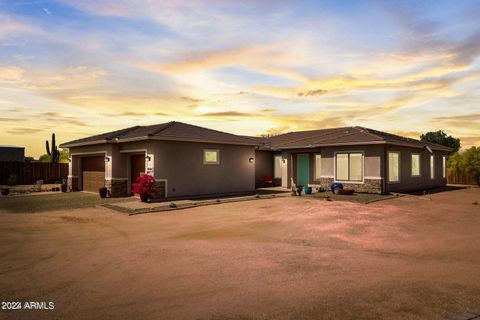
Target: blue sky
(77, 67)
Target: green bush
(12, 179)
(466, 161)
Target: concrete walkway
(137, 207)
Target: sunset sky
(82, 67)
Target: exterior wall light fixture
(250, 160)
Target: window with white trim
(444, 167)
(432, 167)
(277, 167)
(349, 166)
(415, 165)
(393, 166)
(211, 156)
(318, 166)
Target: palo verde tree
(440, 137)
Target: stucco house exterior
(185, 160)
(191, 161)
(362, 159)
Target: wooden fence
(29, 172)
(459, 178)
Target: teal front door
(302, 169)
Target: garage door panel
(93, 173)
(93, 180)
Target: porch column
(73, 173)
(286, 169)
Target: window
(444, 167)
(277, 167)
(211, 157)
(394, 166)
(349, 166)
(318, 166)
(432, 167)
(415, 165)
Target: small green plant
(172, 205)
(12, 179)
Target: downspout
(384, 174)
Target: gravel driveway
(285, 258)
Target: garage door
(93, 173)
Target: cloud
(468, 142)
(10, 119)
(269, 110)
(58, 118)
(11, 28)
(227, 114)
(316, 92)
(11, 73)
(24, 130)
(463, 117)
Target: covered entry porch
(360, 168)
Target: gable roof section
(342, 136)
(176, 131)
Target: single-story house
(360, 158)
(186, 160)
(191, 161)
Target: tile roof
(293, 140)
(165, 131)
(341, 136)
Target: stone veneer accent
(117, 187)
(159, 188)
(369, 185)
(72, 183)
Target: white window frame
(419, 165)
(399, 166)
(211, 162)
(280, 168)
(444, 167)
(432, 167)
(335, 167)
(317, 175)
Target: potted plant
(144, 187)
(308, 190)
(5, 192)
(103, 192)
(64, 185)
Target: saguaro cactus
(55, 153)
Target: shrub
(144, 186)
(12, 179)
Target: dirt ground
(284, 258)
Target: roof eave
(173, 138)
(86, 143)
